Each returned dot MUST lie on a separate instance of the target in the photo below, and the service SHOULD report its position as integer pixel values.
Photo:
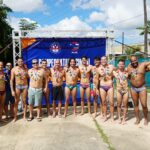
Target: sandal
(39, 119)
(30, 118)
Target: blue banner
(63, 49)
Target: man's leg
(24, 97)
(111, 102)
(103, 95)
(143, 99)
(12, 110)
(135, 98)
(59, 107)
(125, 103)
(95, 105)
(38, 111)
(47, 102)
(38, 102)
(17, 98)
(6, 103)
(31, 111)
(74, 94)
(6, 110)
(88, 99)
(67, 94)
(82, 100)
(119, 103)
(54, 108)
(2, 100)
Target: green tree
(5, 34)
(143, 28)
(129, 51)
(24, 24)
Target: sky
(118, 15)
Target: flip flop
(39, 119)
(30, 118)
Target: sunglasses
(35, 63)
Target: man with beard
(46, 94)
(71, 75)
(57, 74)
(19, 75)
(136, 72)
(106, 86)
(121, 76)
(85, 73)
(95, 90)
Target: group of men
(102, 75)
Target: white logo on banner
(55, 48)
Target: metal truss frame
(17, 35)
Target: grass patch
(103, 135)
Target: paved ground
(72, 133)
(75, 133)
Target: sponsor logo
(74, 47)
(55, 48)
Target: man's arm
(46, 81)
(12, 78)
(147, 65)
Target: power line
(126, 19)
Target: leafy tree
(5, 34)
(25, 24)
(143, 28)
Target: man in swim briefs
(85, 73)
(106, 86)
(19, 75)
(136, 72)
(71, 75)
(95, 90)
(121, 76)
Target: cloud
(26, 6)
(73, 23)
(86, 4)
(119, 15)
(96, 17)
(111, 12)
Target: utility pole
(145, 27)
